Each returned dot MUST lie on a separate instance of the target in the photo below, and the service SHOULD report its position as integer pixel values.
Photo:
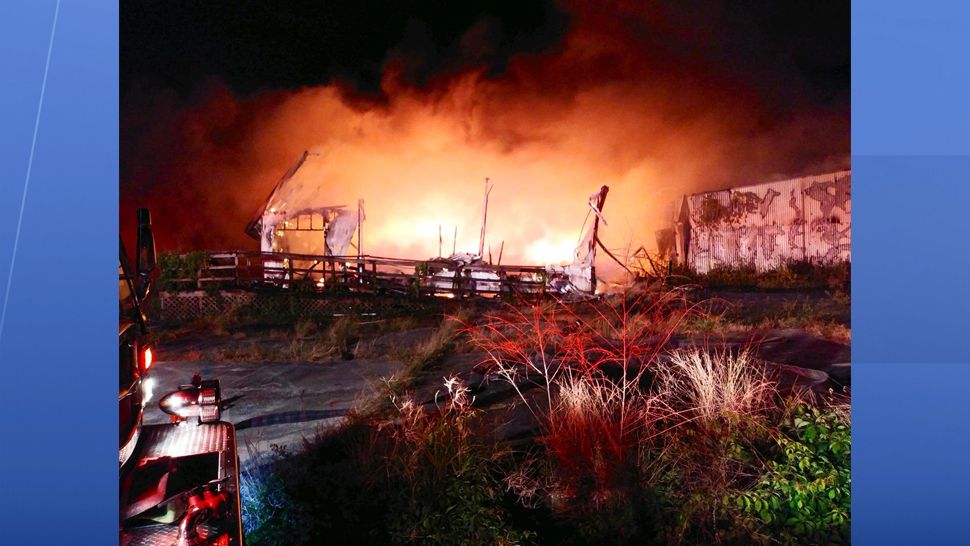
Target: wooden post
(481, 238)
(360, 228)
(601, 200)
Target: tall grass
(620, 415)
(433, 349)
(637, 443)
(596, 410)
(446, 474)
(718, 383)
(721, 400)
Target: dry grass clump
(595, 432)
(595, 411)
(344, 335)
(712, 384)
(400, 324)
(433, 349)
(304, 328)
(830, 330)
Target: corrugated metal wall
(765, 225)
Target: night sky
(199, 78)
(253, 45)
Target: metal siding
(771, 223)
(828, 209)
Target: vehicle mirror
(146, 252)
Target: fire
(552, 129)
(552, 250)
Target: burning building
(765, 225)
(294, 220)
(302, 237)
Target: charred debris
(306, 243)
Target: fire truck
(179, 481)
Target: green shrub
(834, 277)
(804, 495)
(264, 500)
(174, 267)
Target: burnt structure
(303, 240)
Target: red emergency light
(147, 357)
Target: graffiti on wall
(758, 226)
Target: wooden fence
(361, 275)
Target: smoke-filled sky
(412, 104)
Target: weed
(303, 328)
(432, 350)
(823, 317)
(300, 350)
(718, 401)
(218, 325)
(343, 335)
(804, 495)
(416, 476)
(179, 270)
(834, 277)
(400, 324)
(452, 496)
(261, 493)
(716, 384)
(596, 411)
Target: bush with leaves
(804, 495)
(174, 267)
(266, 507)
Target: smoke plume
(632, 97)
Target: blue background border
(911, 267)
(58, 474)
(911, 163)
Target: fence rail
(363, 275)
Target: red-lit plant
(593, 363)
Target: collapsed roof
(290, 222)
(286, 210)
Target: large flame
(548, 132)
